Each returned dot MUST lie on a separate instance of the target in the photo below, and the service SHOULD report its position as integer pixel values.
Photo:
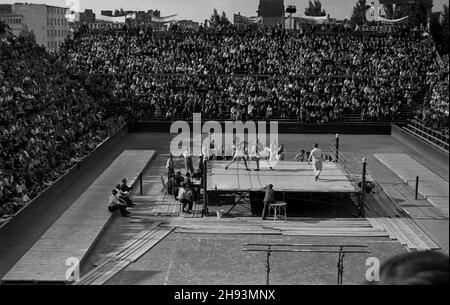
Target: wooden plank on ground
(76, 231)
(128, 253)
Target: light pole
(291, 9)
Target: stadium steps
(352, 118)
(420, 96)
(406, 111)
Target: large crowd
(308, 76)
(434, 112)
(52, 115)
(48, 122)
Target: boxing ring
(286, 176)
(290, 179)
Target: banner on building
(120, 19)
(103, 25)
(239, 19)
(312, 19)
(166, 19)
(376, 28)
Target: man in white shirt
(185, 197)
(115, 203)
(188, 163)
(316, 156)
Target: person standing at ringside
(316, 156)
(170, 167)
(269, 198)
(188, 163)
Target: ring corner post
(140, 184)
(205, 187)
(337, 147)
(417, 188)
(363, 184)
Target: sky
(199, 10)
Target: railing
(430, 135)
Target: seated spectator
(125, 196)
(172, 186)
(197, 174)
(124, 186)
(186, 198)
(116, 203)
(179, 179)
(301, 156)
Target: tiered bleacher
(48, 122)
(431, 122)
(311, 76)
(53, 106)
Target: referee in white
(316, 156)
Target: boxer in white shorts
(316, 157)
(239, 153)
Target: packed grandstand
(54, 106)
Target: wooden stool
(278, 208)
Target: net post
(363, 184)
(205, 186)
(140, 184)
(417, 188)
(337, 148)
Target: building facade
(48, 23)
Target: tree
(315, 9)
(27, 36)
(359, 13)
(439, 31)
(418, 13)
(415, 10)
(119, 12)
(3, 28)
(445, 32)
(219, 20)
